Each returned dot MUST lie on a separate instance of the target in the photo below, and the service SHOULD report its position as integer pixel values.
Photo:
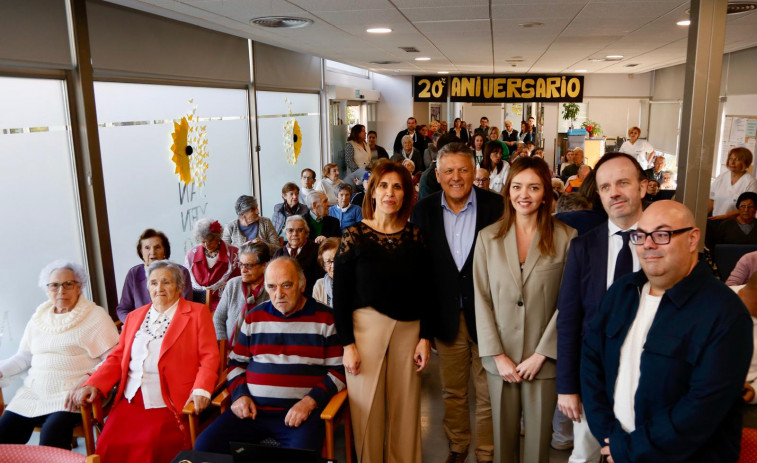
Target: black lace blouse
(386, 272)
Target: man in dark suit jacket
(450, 220)
(304, 250)
(418, 142)
(664, 361)
(655, 172)
(321, 225)
(591, 268)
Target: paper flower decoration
(181, 149)
(190, 149)
(292, 137)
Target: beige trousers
(385, 396)
(459, 359)
(536, 400)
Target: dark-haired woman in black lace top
(382, 319)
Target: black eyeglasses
(639, 237)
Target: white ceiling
(468, 36)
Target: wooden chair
(83, 430)
(336, 411)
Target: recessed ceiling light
(423, 58)
(378, 30)
(614, 56)
(581, 70)
(533, 24)
(443, 72)
(597, 60)
(685, 22)
(286, 22)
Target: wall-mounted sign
(498, 89)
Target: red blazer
(188, 356)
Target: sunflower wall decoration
(292, 136)
(190, 149)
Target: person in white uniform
(730, 184)
(642, 150)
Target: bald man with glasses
(665, 359)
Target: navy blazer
(452, 285)
(696, 355)
(584, 283)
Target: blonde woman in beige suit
(517, 269)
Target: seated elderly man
(347, 214)
(270, 370)
(321, 225)
(301, 248)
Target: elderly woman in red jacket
(167, 355)
(212, 262)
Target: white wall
(346, 80)
(618, 85)
(394, 108)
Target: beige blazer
(516, 312)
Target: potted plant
(570, 112)
(592, 128)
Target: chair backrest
(19, 453)
(727, 255)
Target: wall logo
(190, 149)
(292, 136)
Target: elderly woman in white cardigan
(242, 292)
(250, 227)
(65, 340)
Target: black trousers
(57, 428)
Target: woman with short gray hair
(66, 339)
(212, 262)
(411, 153)
(250, 227)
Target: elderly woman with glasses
(166, 356)
(323, 290)
(212, 262)
(250, 227)
(66, 339)
(243, 292)
(152, 245)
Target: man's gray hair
(455, 148)
(296, 218)
(572, 202)
(176, 271)
(202, 230)
(60, 264)
(317, 194)
(300, 273)
(245, 203)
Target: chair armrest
(334, 406)
(222, 400)
(189, 408)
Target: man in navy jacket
(664, 360)
(590, 269)
(450, 220)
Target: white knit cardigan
(64, 347)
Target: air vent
(632, 65)
(514, 60)
(410, 49)
(383, 62)
(285, 22)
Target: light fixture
(614, 56)
(378, 30)
(597, 60)
(283, 22)
(423, 58)
(443, 72)
(581, 70)
(685, 22)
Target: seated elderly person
(482, 178)
(329, 182)
(741, 229)
(303, 249)
(744, 269)
(667, 182)
(250, 227)
(291, 206)
(653, 187)
(347, 214)
(167, 355)
(575, 182)
(65, 340)
(323, 289)
(151, 246)
(212, 262)
(243, 292)
(408, 151)
(321, 225)
(357, 198)
(276, 391)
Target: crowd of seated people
(501, 242)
